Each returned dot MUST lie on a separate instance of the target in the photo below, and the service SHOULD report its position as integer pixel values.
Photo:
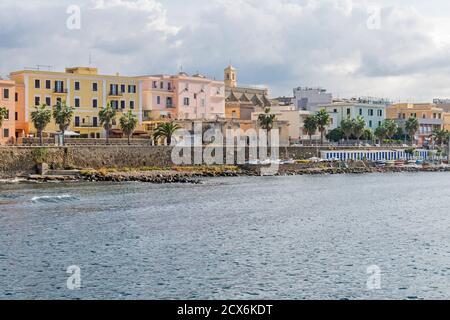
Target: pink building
(182, 97)
(7, 101)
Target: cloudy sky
(398, 49)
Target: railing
(88, 142)
(62, 91)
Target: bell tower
(230, 77)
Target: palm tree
(347, 127)
(266, 120)
(106, 116)
(359, 124)
(368, 135)
(63, 114)
(391, 128)
(310, 125)
(166, 130)
(381, 133)
(128, 123)
(412, 126)
(440, 136)
(40, 119)
(323, 120)
(3, 115)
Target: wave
(54, 199)
(12, 181)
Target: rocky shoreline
(196, 175)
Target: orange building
(7, 100)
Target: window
(77, 121)
(169, 86)
(77, 86)
(59, 86)
(131, 89)
(7, 114)
(114, 89)
(95, 87)
(122, 88)
(94, 103)
(154, 85)
(122, 104)
(380, 113)
(48, 101)
(6, 94)
(348, 111)
(158, 100)
(37, 84)
(16, 116)
(95, 122)
(370, 123)
(115, 104)
(371, 113)
(5, 133)
(17, 97)
(161, 85)
(186, 101)
(379, 123)
(195, 96)
(77, 102)
(360, 112)
(48, 84)
(169, 103)
(131, 104)
(37, 100)
(424, 116)
(58, 100)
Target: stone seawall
(16, 161)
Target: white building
(373, 111)
(311, 98)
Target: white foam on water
(52, 198)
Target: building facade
(7, 101)
(430, 116)
(242, 101)
(373, 112)
(311, 98)
(82, 88)
(181, 97)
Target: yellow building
(431, 117)
(82, 88)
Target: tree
(40, 119)
(310, 125)
(266, 120)
(368, 134)
(335, 135)
(63, 114)
(3, 115)
(381, 133)
(359, 124)
(166, 130)
(412, 126)
(106, 116)
(128, 123)
(323, 120)
(440, 136)
(391, 128)
(347, 127)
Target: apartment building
(430, 116)
(311, 98)
(181, 97)
(82, 88)
(373, 111)
(7, 101)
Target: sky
(397, 49)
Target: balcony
(115, 94)
(60, 91)
(86, 125)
